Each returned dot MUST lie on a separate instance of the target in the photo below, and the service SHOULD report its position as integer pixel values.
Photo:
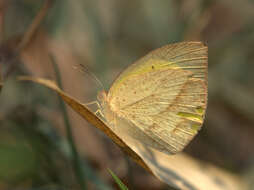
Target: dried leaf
(180, 171)
(89, 116)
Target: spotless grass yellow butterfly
(160, 100)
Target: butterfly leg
(91, 103)
(99, 112)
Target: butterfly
(160, 100)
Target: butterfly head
(105, 108)
(102, 96)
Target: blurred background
(107, 36)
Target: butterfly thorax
(107, 110)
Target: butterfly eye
(102, 96)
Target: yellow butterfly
(161, 99)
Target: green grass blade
(118, 181)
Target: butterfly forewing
(164, 95)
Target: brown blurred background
(107, 36)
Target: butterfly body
(160, 100)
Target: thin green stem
(76, 161)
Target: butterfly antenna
(84, 69)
